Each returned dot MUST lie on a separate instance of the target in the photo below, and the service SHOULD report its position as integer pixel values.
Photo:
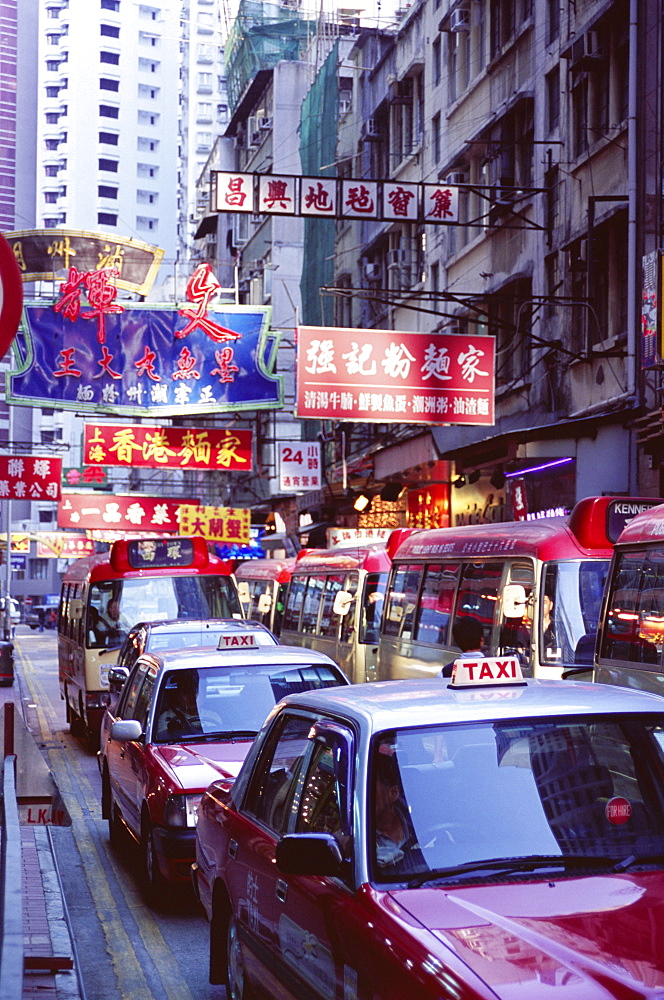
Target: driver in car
(179, 713)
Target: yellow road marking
(129, 974)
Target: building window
(39, 569)
(107, 219)
(553, 99)
(145, 223)
(110, 57)
(51, 197)
(146, 170)
(108, 138)
(52, 65)
(147, 197)
(45, 516)
(108, 111)
(510, 318)
(437, 64)
(110, 30)
(148, 145)
(110, 165)
(110, 4)
(52, 117)
(105, 191)
(147, 93)
(552, 21)
(205, 81)
(148, 118)
(106, 84)
(51, 143)
(52, 91)
(436, 138)
(51, 171)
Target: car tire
(237, 987)
(76, 722)
(109, 809)
(153, 880)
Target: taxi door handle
(232, 849)
(281, 890)
(122, 753)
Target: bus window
(479, 590)
(403, 600)
(372, 606)
(637, 589)
(311, 604)
(437, 602)
(517, 612)
(348, 620)
(571, 598)
(329, 622)
(294, 603)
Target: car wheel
(76, 722)
(237, 987)
(152, 877)
(109, 809)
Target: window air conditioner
(372, 271)
(586, 50)
(460, 19)
(264, 124)
(396, 257)
(457, 177)
(371, 127)
(344, 106)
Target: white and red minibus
(262, 586)
(334, 603)
(630, 642)
(103, 596)
(536, 586)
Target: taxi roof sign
(238, 640)
(485, 670)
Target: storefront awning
(206, 227)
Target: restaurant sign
(141, 446)
(63, 545)
(230, 525)
(394, 377)
(90, 352)
(133, 512)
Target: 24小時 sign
(299, 466)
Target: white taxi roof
(397, 704)
(210, 656)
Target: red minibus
(536, 586)
(103, 596)
(630, 641)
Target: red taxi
(489, 837)
(184, 719)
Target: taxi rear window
(444, 798)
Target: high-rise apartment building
(108, 119)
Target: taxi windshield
(446, 799)
(228, 701)
(571, 600)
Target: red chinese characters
(201, 289)
(29, 477)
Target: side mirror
(514, 601)
(243, 591)
(264, 604)
(308, 854)
(126, 730)
(76, 609)
(342, 603)
(117, 676)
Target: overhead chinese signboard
(339, 538)
(230, 525)
(392, 377)
(652, 349)
(29, 477)
(92, 353)
(299, 466)
(11, 296)
(167, 447)
(334, 198)
(95, 512)
(89, 476)
(47, 255)
(20, 542)
(63, 545)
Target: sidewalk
(49, 963)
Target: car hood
(585, 938)
(195, 766)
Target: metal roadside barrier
(11, 902)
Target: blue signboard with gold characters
(94, 353)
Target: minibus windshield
(571, 602)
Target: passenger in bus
(549, 641)
(468, 634)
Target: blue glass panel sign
(135, 359)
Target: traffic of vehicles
(316, 828)
(104, 595)
(478, 838)
(184, 718)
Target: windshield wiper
(529, 862)
(632, 860)
(232, 734)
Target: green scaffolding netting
(318, 138)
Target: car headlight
(182, 810)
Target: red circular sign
(11, 296)
(618, 810)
